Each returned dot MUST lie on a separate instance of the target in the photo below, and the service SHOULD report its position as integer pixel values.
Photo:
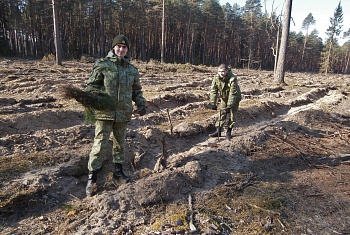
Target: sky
(321, 10)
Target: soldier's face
(222, 72)
(120, 50)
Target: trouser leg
(119, 135)
(233, 113)
(118, 152)
(97, 154)
(221, 120)
(100, 145)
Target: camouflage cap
(120, 39)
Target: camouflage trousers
(103, 130)
(231, 116)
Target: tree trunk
(347, 62)
(279, 76)
(162, 49)
(328, 60)
(275, 53)
(303, 52)
(102, 32)
(56, 34)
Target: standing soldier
(226, 86)
(117, 78)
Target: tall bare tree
(163, 31)
(279, 76)
(56, 33)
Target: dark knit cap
(120, 39)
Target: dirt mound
(285, 171)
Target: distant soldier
(226, 86)
(113, 76)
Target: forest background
(195, 32)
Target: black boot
(118, 174)
(228, 133)
(91, 187)
(217, 133)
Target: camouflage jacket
(118, 78)
(226, 88)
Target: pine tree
(308, 21)
(251, 18)
(332, 32)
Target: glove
(212, 106)
(227, 110)
(141, 110)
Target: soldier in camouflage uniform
(226, 86)
(115, 76)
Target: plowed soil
(285, 171)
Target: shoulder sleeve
(137, 95)
(233, 78)
(95, 82)
(213, 91)
(235, 93)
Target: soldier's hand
(141, 110)
(228, 110)
(212, 106)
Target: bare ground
(285, 171)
